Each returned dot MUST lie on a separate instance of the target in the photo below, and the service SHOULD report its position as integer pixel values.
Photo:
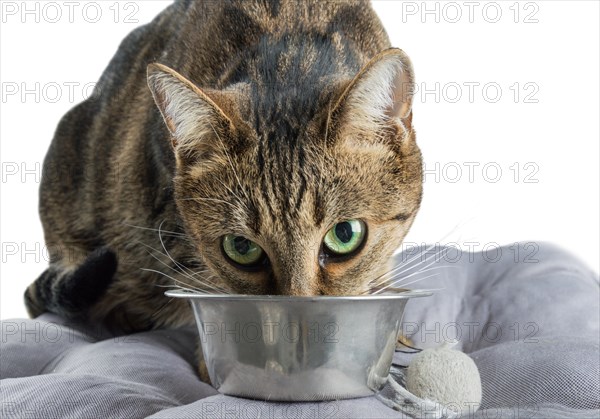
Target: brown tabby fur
(290, 152)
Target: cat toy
(439, 383)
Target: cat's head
(316, 212)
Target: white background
(550, 48)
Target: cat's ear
(191, 114)
(379, 96)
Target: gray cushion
(531, 325)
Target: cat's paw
(203, 372)
(202, 368)
(403, 342)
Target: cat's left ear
(379, 96)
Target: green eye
(345, 237)
(241, 250)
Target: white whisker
(407, 267)
(168, 276)
(398, 280)
(212, 286)
(408, 283)
(397, 274)
(183, 270)
(388, 278)
(154, 229)
(200, 198)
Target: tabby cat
(248, 147)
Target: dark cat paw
(71, 293)
(84, 286)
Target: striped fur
(269, 119)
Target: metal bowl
(298, 348)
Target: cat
(244, 147)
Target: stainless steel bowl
(298, 348)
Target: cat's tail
(71, 292)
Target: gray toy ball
(446, 376)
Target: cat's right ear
(193, 118)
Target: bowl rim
(264, 298)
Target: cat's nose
(297, 280)
(299, 287)
(303, 288)
(296, 270)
